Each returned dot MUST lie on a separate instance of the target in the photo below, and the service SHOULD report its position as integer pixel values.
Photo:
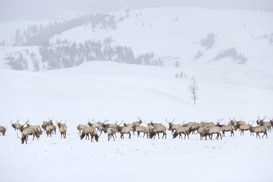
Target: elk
(98, 125)
(47, 123)
(3, 130)
(218, 123)
(158, 129)
(181, 130)
(228, 128)
(239, 123)
(141, 129)
(243, 128)
(194, 127)
(259, 129)
(111, 132)
(49, 130)
(149, 127)
(137, 123)
(203, 131)
(62, 128)
(233, 123)
(81, 127)
(91, 130)
(124, 130)
(173, 127)
(16, 125)
(215, 130)
(26, 131)
(263, 123)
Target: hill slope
(114, 91)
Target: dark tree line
(40, 34)
(64, 55)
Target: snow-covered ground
(106, 90)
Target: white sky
(52, 9)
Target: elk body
(141, 129)
(203, 131)
(268, 124)
(243, 128)
(47, 123)
(49, 130)
(16, 125)
(124, 130)
(158, 129)
(81, 127)
(111, 132)
(258, 130)
(228, 128)
(239, 123)
(29, 130)
(3, 130)
(215, 130)
(193, 128)
(180, 131)
(173, 127)
(233, 123)
(62, 128)
(90, 131)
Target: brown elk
(215, 130)
(47, 123)
(194, 127)
(173, 127)
(90, 131)
(243, 128)
(111, 132)
(141, 129)
(62, 128)
(259, 129)
(228, 128)
(49, 130)
(81, 127)
(263, 123)
(28, 130)
(3, 130)
(99, 125)
(233, 123)
(181, 130)
(16, 125)
(203, 131)
(158, 129)
(124, 130)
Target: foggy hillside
(155, 36)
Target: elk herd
(94, 129)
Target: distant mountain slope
(156, 36)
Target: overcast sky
(52, 9)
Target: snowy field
(105, 90)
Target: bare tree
(193, 88)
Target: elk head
(170, 124)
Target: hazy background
(55, 9)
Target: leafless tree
(193, 89)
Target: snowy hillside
(114, 91)
(228, 52)
(155, 36)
